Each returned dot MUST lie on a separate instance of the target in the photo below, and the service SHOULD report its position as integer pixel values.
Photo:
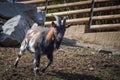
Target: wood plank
(106, 17)
(84, 20)
(70, 4)
(83, 11)
(34, 1)
(105, 26)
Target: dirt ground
(70, 63)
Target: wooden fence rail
(83, 11)
(70, 4)
(34, 1)
(87, 10)
(105, 26)
(84, 20)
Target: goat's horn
(64, 20)
(58, 19)
(68, 25)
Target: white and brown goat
(43, 40)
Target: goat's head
(60, 28)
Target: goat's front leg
(50, 60)
(36, 62)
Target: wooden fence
(34, 1)
(90, 10)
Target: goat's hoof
(43, 70)
(36, 72)
(15, 65)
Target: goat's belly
(31, 48)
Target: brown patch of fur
(50, 34)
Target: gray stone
(11, 1)
(3, 0)
(9, 10)
(0, 28)
(102, 51)
(40, 17)
(14, 30)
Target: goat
(43, 40)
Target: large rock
(40, 17)
(14, 30)
(9, 10)
(3, 0)
(0, 27)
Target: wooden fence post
(91, 15)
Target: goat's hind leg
(22, 49)
(36, 62)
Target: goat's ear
(53, 24)
(67, 26)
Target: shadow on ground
(69, 42)
(73, 76)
